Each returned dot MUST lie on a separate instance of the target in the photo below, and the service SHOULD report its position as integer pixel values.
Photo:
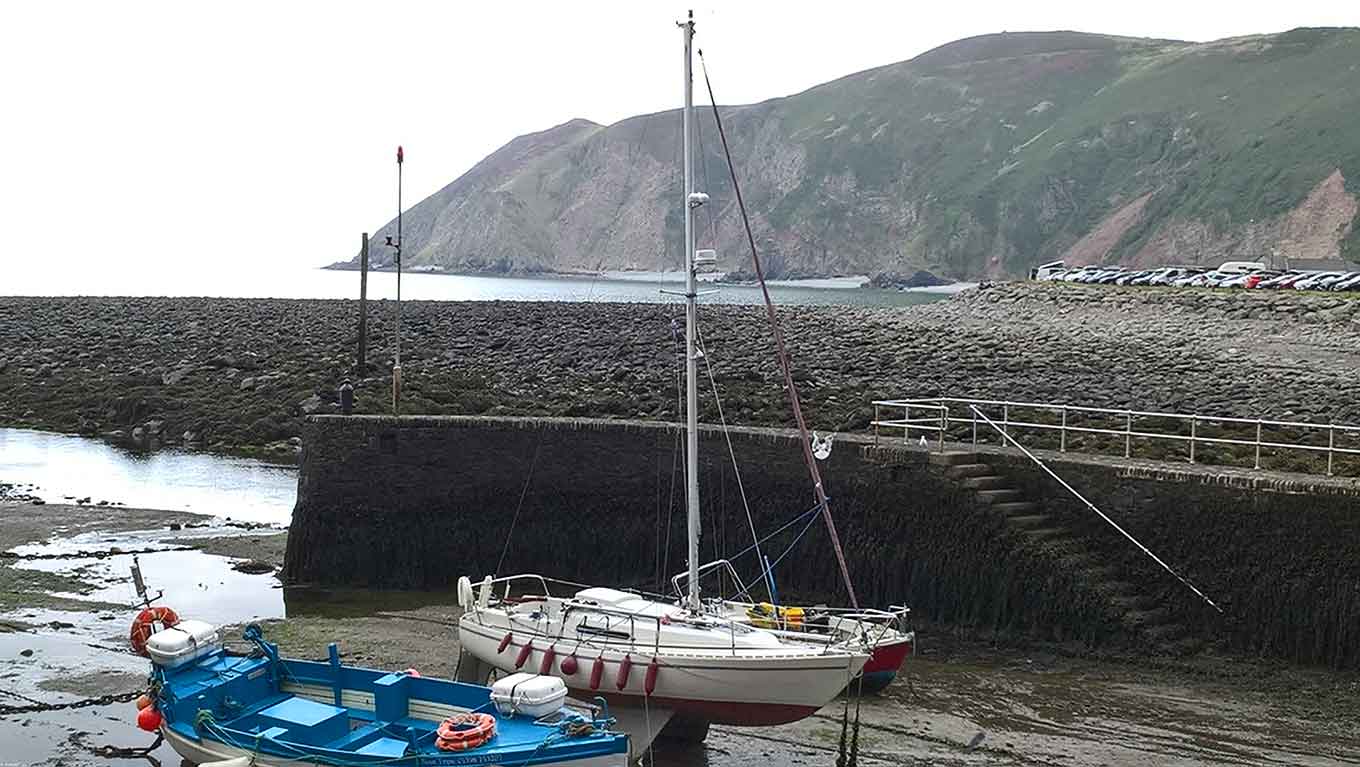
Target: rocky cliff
(979, 158)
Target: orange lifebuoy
(461, 732)
(145, 625)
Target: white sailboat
(691, 656)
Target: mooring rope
(783, 356)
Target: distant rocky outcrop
(977, 159)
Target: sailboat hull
(696, 684)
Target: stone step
(1165, 632)
(1029, 520)
(1105, 577)
(961, 470)
(1044, 533)
(998, 496)
(953, 458)
(1017, 508)
(1155, 616)
(1134, 601)
(992, 482)
(1186, 645)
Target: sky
(151, 138)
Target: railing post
(877, 413)
(1005, 424)
(1331, 444)
(973, 408)
(944, 425)
(1194, 422)
(1062, 432)
(1128, 433)
(906, 424)
(1258, 443)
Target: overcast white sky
(154, 135)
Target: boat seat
(355, 736)
(308, 722)
(390, 748)
(273, 733)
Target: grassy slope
(983, 156)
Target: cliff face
(979, 158)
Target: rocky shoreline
(241, 374)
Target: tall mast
(692, 201)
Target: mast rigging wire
(804, 436)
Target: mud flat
(958, 703)
(239, 374)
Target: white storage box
(182, 643)
(528, 694)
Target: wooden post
(363, 306)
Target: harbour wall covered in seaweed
(416, 502)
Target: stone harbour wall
(416, 502)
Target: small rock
(253, 567)
(27, 653)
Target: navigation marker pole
(396, 367)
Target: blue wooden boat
(260, 709)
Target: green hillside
(979, 158)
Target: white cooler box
(528, 694)
(182, 643)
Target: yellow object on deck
(766, 616)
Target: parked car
(1330, 283)
(1311, 282)
(1348, 283)
(1284, 280)
(1131, 277)
(1078, 273)
(1108, 276)
(1240, 267)
(1254, 280)
(1171, 274)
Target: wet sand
(960, 702)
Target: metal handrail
(941, 405)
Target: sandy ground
(958, 703)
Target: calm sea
(292, 282)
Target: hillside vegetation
(979, 158)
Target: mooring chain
(124, 752)
(100, 554)
(38, 706)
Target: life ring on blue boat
(144, 625)
(461, 732)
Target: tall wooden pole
(362, 366)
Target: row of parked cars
(1233, 274)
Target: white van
(1240, 267)
(1047, 271)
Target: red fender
(549, 655)
(504, 643)
(524, 653)
(649, 683)
(570, 665)
(596, 672)
(624, 667)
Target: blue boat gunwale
(210, 679)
